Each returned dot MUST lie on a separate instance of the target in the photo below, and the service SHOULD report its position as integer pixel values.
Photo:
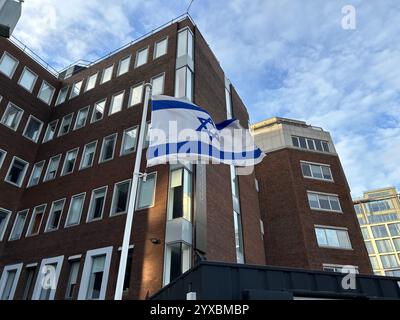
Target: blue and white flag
(180, 131)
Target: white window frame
(72, 89)
(162, 74)
(15, 223)
(66, 225)
(47, 129)
(9, 213)
(59, 134)
(140, 189)
(137, 56)
(3, 157)
(317, 193)
(41, 173)
(46, 229)
(114, 195)
(119, 65)
(15, 67)
(141, 84)
(48, 166)
(83, 155)
(102, 148)
(34, 81)
(102, 74)
(112, 101)
(23, 173)
(65, 162)
(58, 96)
(155, 48)
(26, 127)
(52, 94)
(316, 164)
(96, 75)
(94, 110)
(3, 279)
(122, 153)
(10, 104)
(87, 268)
(339, 266)
(28, 231)
(88, 220)
(77, 117)
(39, 279)
(332, 228)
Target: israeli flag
(181, 131)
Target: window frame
(47, 129)
(52, 94)
(96, 75)
(139, 190)
(59, 134)
(141, 84)
(95, 142)
(71, 96)
(162, 74)
(113, 214)
(48, 166)
(3, 155)
(5, 53)
(147, 49)
(335, 229)
(77, 118)
(166, 38)
(66, 225)
(63, 174)
(7, 220)
(31, 175)
(128, 57)
(316, 164)
(39, 132)
(57, 103)
(103, 72)
(21, 114)
(88, 219)
(122, 153)
(110, 108)
(10, 238)
(102, 148)
(34, 81)
(23, 174)
(30, 225)
(94, 110)
(4, 277)
(51, 212)
(329, 195)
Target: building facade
(68, 145)
(305, 201)
(378, 212)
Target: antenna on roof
(190, 4)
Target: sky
(287, 58)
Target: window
(374, 263)
(384, 246)
(75, 210)
(310, 144)
(370, 248)
(29, 282)
(177, 261)
(2, 157)
(323, 202)
(12, 116)
(357, 208)
(120, 199)
(334, 238)
(123, 66)
(19, 225)
(394, 229)
(389, 261)
(50, 131)
(127, 278)
(65, 124)
(72, 279)
(379, 231)
(76, 89)
(36, 220)
(49, 273)
(116, 102)
(33, 129)
(228, 101)
(340, 269)
(88, 155)
(184, 83)
(316, 171)
(53, 222)
(16, 172)
(91, 82)
(147, 189)
(237, 223)
(46, 93)
(185, 43)
(397, 244)
(4, 217)
(62, 95)
(96, 206)
(158, 84)
(180, 194)
(9, 281)
(8, 64)
(98, 111)
(365, 233)
(392, 273)
(52, 168)
(107, 149)
(81, 118)
(36, 174)
(27, 79)
(129, 141)
(95, 274)
(107, 74)
(380, 205)
(69, 162)
(136, 95)
(141, 57)
(160, 48)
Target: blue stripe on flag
(174, 104)
(225, 123)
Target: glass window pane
(313, 200)
(46, 92)
(141, 57)
(107, 152)
(75, 210)
(62, 95)
(124, 66)
(316, 171)
(19, 224)
(12, 116)
(91, 82)
(107, 74)
(98, 110)
(160, 48)
(116, 102)
(321, 237)
(305, 168)
(27, 80)
(129, 141)
(158, 85)
(136, 95)
(326, 171)
(76, 89)
(146, 191)
(8, 64)
(33, 129)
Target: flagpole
(132, 198)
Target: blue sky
(288, 58)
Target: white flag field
(181, 131)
